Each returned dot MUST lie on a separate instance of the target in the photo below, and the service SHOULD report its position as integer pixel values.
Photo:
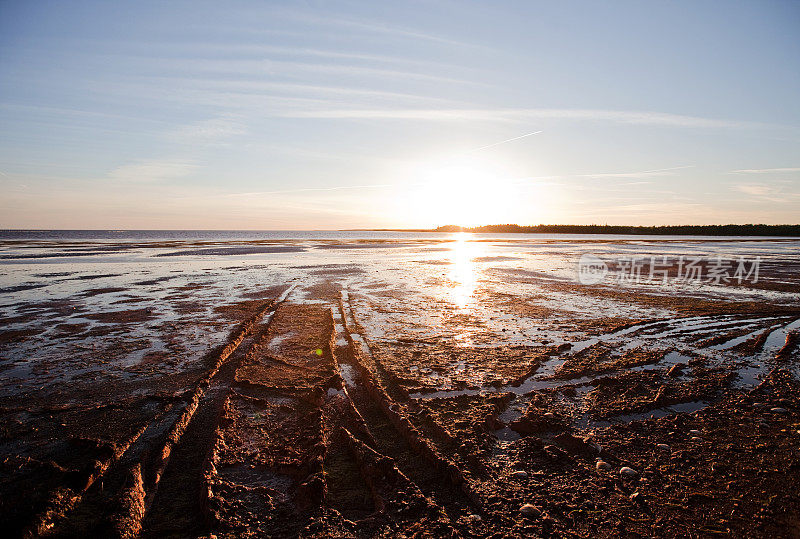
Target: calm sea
(254, 235)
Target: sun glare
(465, 192)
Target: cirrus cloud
(153, 171)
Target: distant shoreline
(669, 230)
(722, 231)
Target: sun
(465, 192)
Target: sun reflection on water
(462, 270)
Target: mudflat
(390, 384)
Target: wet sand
(420, 385)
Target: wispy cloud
(557, 179)
(755, 190)
(311, 189)
(210, 50)
(269, 88)
(765, 170)
(372, 27)
(639, 174)
(253, 67)
(214, 130)
(767, 193)
(617, 116)
(153, 171)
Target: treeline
(673, 230)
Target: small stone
(663, 447)
(778, 410)
(530, 511)
(575, 445)
(675, 370)
(521, 474)
(602, 466)
(625, 471)
(695, 432)
(469, 519)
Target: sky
(335, 115)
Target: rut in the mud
(298, 438)
(387, 440)
(115, 502)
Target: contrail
(502, 142)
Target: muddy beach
(392, 385)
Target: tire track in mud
(387, 410)
(175, 503)
(304, 445)
(265, 475)
(116, 502)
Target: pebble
(602, 465)
(530, 511)
(778, 410)
(665, 447)
(627, 472)
(675, 370)
(521, 474)
(695, 432)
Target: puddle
(668, 361)
(777, 338)
(348, 374)
(727, 345)
(587, 422)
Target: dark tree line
(672, 230)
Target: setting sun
(463, 191)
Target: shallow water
(462, 290)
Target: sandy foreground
(430, 386)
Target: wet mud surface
(432, 387)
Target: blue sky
(325, 115)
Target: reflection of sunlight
(462, 270)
